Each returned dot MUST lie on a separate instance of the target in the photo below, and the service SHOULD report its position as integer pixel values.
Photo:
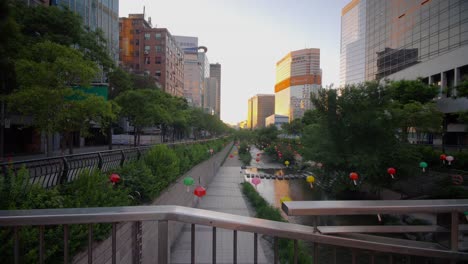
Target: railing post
(163, 242)
(63, 178)
(138, 153)
(122, 159)
(100, 162)
(454, 232)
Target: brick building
(151, 51)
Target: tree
(139, 108)
(364, 128)
(45, 75)
(82, 112)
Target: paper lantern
(258, 154)
(319, 165)
(354, 177)
(231, 156)
(114, 178)
(310, 179)
(392, 172)
(286, 163)
(257, 160)
(285, 199)
(211, 151)
(256, 181)
(442, 158)
(423, 165)
(199, 191)
(188, 181)
(449, 159)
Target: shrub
(266, 211)
(163, 163)
(138, 178)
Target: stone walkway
(223, 194)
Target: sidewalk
(223, 194)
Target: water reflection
(272, 190)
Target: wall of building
(215, 72)
(353, 43)
(128, 233)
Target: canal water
(273, 190)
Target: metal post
(454, 232)
(122, 159)
(163, 242)
(100, 162)
(192, 246)
(214, 246)
(63, 178)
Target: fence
(49, 172)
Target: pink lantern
(392, 172)
(449, 159)
(256, 181)
(211, 151)
(231, 156)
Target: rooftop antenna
(143, 12)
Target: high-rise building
(413, 39)
(353, 43)
(193, 72)
(98, 14)
(215, 72)
(260, 107)
(297, 75)
(152, 52)
(210, 98)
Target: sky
(248, 37)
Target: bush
(142, 184)
(163, 163)
(266, 211)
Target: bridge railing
(49, 172)
(166, 214)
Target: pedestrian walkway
(223, 194)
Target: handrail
(296, 208)
(41, 217)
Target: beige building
(259, 108)
(215, 72)
(211, 95)
(297, 75)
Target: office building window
(147, 36)
(157, 35)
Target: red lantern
(443, 157)
(354, 177)
(199, 191)
(258, 154)
(392, 172)
(231, 156)
(258, 160)
(114, 178)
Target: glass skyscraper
(103, 14)
(400, 34)
(353, 43)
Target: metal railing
(49, 172)
(453, 207)
(165, 214)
